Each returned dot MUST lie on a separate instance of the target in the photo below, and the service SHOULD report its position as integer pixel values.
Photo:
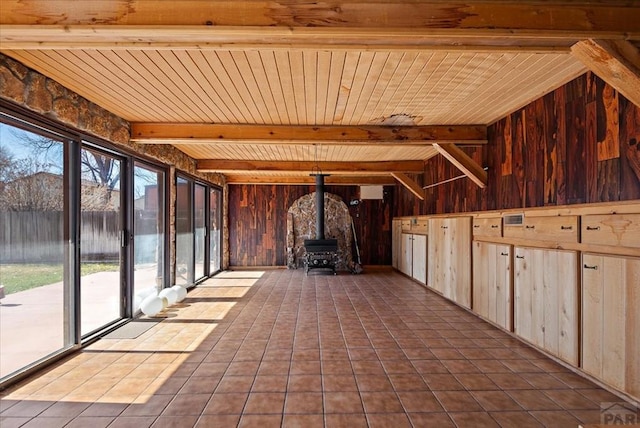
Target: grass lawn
(20, 277)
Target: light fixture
(170, 294)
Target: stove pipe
(319, 206)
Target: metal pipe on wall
(319, 206)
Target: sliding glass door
(198, 226)
(101, 240)
(200, 223)
(148, 226)
(35, 306)
(215, 227)
(184, 232)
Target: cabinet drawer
(491, 226)
(556, 229)
(406, 225)
(613, 229)
(420, 226)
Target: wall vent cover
(513, 219)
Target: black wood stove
(321, 253)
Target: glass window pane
(200, 229)
(215, 208)
(184, 233)
(148, 226)
(100, 234)
(33, 312)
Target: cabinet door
(420, 258)
(406, 261)
(546, 300)
(483, 270)
(523, 283)
(503, 289)
(396, 243)
(611, 320)
(438, 249)
(459, 260)
(449, 269)
(561, 304)
(492, 283)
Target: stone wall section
(301, 225)
(33, 91)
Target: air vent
(513, 220)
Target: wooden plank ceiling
(347, 67)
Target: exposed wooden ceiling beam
(346, 180)
(463, 162)
(384, 167)
(46, 37)
(195, 24)
(407, 182)
(617, 16)
(195, 133)
(617, 62)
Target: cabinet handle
(594, 267)
(593, 228)
(530, 227)
(476, 226)
(566, 227)
(504, 254)
(494, 226)
(444, 227)
(519, 257)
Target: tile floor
(279, 348)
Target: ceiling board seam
(401, 105)
(143, 82)
(217, 96)
(372, 86)
(106, 81)
(222, 75)
(77, 82)
(388, 71)
(256, 65)
(198, 91)
(241, 62)
(240, 86)
(278, 96)
(352, 101)
(309, 90)
(336, 71)
(178, 81)
(200, 80)
(393, 86)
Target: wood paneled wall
(578, 144)
(258, 218)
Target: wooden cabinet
(611, 320)
(396, 243)
(449, 256)
(414, 256)
(493, 283)
(546, 300)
